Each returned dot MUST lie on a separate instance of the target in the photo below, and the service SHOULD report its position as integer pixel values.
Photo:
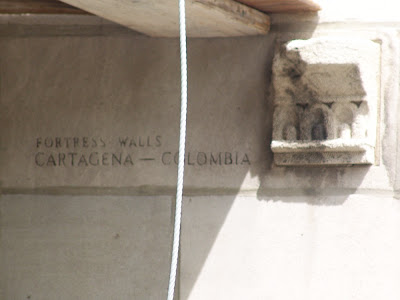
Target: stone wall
(89, 130)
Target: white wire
(182, 141)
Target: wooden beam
(159, 18)
(58, 7)
(205, 18)
(37, 7)
(282, 6)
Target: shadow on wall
(204, 217)
(314, 183)
(230, 111)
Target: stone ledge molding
(326, 99)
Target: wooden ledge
(283, 6)
(159, 18)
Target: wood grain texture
(282, 6)
(58, 7)
(159, 18)
(37, 7)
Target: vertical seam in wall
(378, 144)
(394, 40)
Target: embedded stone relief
(326, 99)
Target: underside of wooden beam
(282, 6)
(58, 7)
(205, 18)
(37, 7)
(160, 18)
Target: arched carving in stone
(326, 101)
(287, 123)
(317, 123)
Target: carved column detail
(326, 94)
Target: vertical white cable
(182, 141)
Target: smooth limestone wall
(89, 131)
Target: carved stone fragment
(326, 98)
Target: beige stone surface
(84, 247)
(104, 112)
(294, 247)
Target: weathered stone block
(116, 124)
(326, 100)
